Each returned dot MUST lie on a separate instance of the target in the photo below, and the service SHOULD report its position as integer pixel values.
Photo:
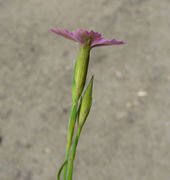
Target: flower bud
(85, 104)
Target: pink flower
(84, 36)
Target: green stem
(70, 133)
(79, 79)
(72, 155)
(61, 168)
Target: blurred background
(126, 136)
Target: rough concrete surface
(127, 134)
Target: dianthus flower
(80, 108)
(83, 36)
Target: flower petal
(95, 35)
(105, 42)
(64, 33)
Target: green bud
(80, 71)
(85, 104)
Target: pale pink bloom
(83, 36)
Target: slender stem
(72, 155)
(70, 133)
(61, 168)
(79, 79)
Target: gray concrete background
(127, 135)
